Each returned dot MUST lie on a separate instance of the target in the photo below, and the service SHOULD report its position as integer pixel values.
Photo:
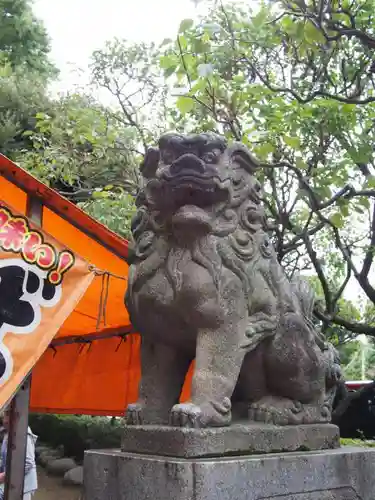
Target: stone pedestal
(340, 474)
(238, 439)
(241, 462)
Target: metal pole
(19, 407)
(17, 439)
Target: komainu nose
(187, 162)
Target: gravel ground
(50, 488)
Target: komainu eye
(209, 157)
(266, 248)
(237, 181)
(167, 157)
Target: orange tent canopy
(93, 364)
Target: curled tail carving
(306, 296)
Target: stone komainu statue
(205, 284)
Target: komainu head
(192, 181)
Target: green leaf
(167, 62)
(199, 86)
(169, 71)
(312, 34)
(348, 108)
(260, 19)
(182, 43)
(265, 149)
(185, 104)
(100, 194)
(292, 142)
(206, 37)
(301, 164)
(344, 209)
(337, 220)
(365, 202)
(185, 25)
(199, 46)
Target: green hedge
(357, 442)
(76, 433)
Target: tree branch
(359, 328)
(367, 262)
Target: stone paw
(186, 415)
(283, 411)
(262, 412)
(262, 323)
(134, 414)
(207, 415)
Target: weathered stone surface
(205, 283)
(238, 439)
(61, 466)
(74, 477)
(332, 494)
(47, 456)
(342, 474)
(41, 449)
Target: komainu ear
(150, 163)
(239, 153)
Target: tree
(23, 38)
(358, 360)
(25, 70)
(295, 81)
(90, 152)
(79, 150)
(72, 143)
(22, 96)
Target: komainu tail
(306, 297)
(305, 294)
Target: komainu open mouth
(178, 191)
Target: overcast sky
(78, 27)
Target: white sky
(78, 27)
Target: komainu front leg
(218, 361)
(163, 374)
(216, 373)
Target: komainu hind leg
(295, 371)
(283, 411)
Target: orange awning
(86, 370)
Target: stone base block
(341, 474)
(238, 439)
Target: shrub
(76, 433)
